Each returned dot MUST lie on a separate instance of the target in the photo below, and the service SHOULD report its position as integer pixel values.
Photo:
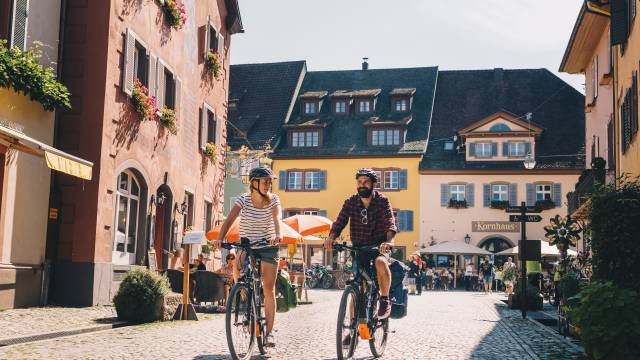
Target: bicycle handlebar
(344, 246)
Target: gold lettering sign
(495, 226)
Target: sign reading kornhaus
(494, 226)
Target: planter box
(514, 303)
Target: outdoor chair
(209, 286)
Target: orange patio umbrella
(308, 224)
(289, 235)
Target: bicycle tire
(327, 281)
(349, 292)
(234, 308)
(377, 350)
(262, 327)
(312, 282)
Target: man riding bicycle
(371, 223)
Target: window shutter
(206, 38)
(282, 180)
(505, 149)
(178, 97)
(619, 22)
(129, 62)
(212, 128)
(472, 149)
(470, 195)
(221, 49)
(527, 148)
(494, 149)
(531, 194)
(513, 194)
(402, 220)
(323, 179)
(203, 127)
(402, 179)
(160, 83)
(486, 195)
(322, 213)
(409, 220)
(19, 36)
(153, 60)
(444, 195)
(557, 194)
(634, 102)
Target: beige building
(480, 138)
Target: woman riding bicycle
(260, 214)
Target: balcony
(587, 182)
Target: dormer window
(364, 106)
(308, 138)
(310, 107)
(340, 106)
(516, 149)
(483, 150)
(401, 105)
(385, 137)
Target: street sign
(193, 238)
(518, 209)
(525, 218)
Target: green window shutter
(513, 194)
(472, 149)
(323, 179)
(531, 194)
(470, 195)
(282, 180)
(619, 22)
(486, 195)
(402, 181)
(444, 195)
(556, 194)
(505, 149)
(494, 149)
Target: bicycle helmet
(369, 173)
(261, 172)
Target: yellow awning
(55, 159)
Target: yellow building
(345, 120)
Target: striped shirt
(256, 224)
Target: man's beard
(365, 192)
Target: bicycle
(358, 313)
(244, 321)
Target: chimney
(365, 63)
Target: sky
(452, 34)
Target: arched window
(495, 245)
(128, 200)
(499, 128)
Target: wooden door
(158, 241)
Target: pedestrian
(419, 276)
(508, 283)
(468, 274)
(413, 274)
(444, 279)
(486, 271)
(429, 275)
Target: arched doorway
(130, 218)
(162, 225)
(496, 244)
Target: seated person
(201, 263)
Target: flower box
(144, 104)
(499, 204)
(211, 151)
(213, 63)
(545, 204)
(176, 14)
(168, 120)
(458, 204)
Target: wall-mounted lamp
(182, 208)
(467, 238)
(160, 199)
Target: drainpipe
(616, 125)
(596, 10)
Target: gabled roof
(264, 94)
(346, 135)
(466, 97)
(535, 130)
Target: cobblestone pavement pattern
(440, 325)
(38, 320)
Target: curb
(558, 336)
(56, 334)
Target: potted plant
(144, 104)
(213, 63)
(176, 14)
(457, 204)
(211, 151)
(168, 120)
(499, 204)
(533, 298)
(545, 204)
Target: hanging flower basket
(211, 151)
(176, 14)
(144, 104)
(168, 120)
(213, 63)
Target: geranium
(168, 120)
(213, 63)
(144, 104)
(211, 151)
(176, 14)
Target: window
(295, 180)
(141, 64)
(5, 20)
(169, 89)
(310, 212)
(385, 137)
(457, 192)
(312, 180)
(127, 213)
(448, 145)
(213, 38)
(305, 138)
(340, 107)
(483, 150)
(499, 128)
(444, 260)
(543, 192)
(187, 218)
(293, 212)
(517, 149)
(208, 215)
(364, 106)
(499, 192)
(310, 107)
(401, 105)
(391, 179)
(378, 185)
(211, 127)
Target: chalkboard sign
(153, 264)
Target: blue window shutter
(557, 194)
(531, 194)
(282, 180)
(322, 213)
(409, 220)
(527, 148)
(444, 195)
(403, 179)
(323, 179)
(494, 149)
(401, 221)
(486, 195)
(513, 194)
(505, 149)
(470, 195)
(472, 149)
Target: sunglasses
(365, 219)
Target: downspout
(596, 10)
(616, 125)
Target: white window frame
(514, 147)
(457, 192)
(391, 179)
(311, 180)
(401, 105)
(294, 180)
(484, 146)
(542, 190)
(379, 184)
(362, 108)
(340, 107)
(502, 190)
(125, 257)
(310, 107)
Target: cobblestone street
(440, 325)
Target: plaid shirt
(380, 220)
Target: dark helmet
(367, 172)
(261, 172)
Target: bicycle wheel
(347, 324)
(311, 282)
(341, 280)
(327, 281)
(378, 342)
(261, 323)
(240, 322)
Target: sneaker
(384, 308)
(269, 341)
(346, 341)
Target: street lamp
(529, 162)
(467, 238)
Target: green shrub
(609, 321)
(138, 296)
(569, 284)
(615, 231)
(22, 72)
(534, 300)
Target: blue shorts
(487, 278)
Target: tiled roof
(465, 97)
(346, 135)
(403, 91)
(313, 94)
(264, 93)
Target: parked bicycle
(245, 323)
(358, 313)
(319, 276)
(343, 277)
